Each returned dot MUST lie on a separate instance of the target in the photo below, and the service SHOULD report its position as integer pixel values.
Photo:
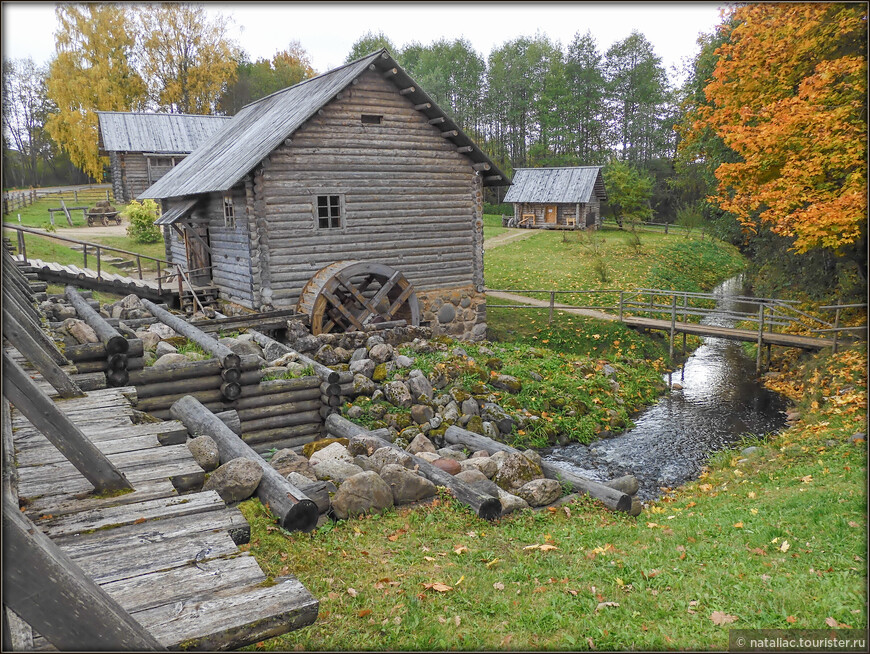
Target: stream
(720, 401)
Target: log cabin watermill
(350, 295)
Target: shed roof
(556, 185)
(262, 126)
(124, 131)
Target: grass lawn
(492, 226)
(775, 539)
(37, 214)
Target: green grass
(37, 214)
(775, 539)
(492, 226)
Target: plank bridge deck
(167, 552)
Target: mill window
(371, 119)
(229, 212)
(328, 211)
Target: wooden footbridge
(109, 541)
(683, 310)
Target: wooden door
(550, 214)
(198, 257)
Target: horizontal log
(292, 508)
(282, 409)
(273, 422)
(180, 386)
(486, 506)
(612, 498)
(188, 370)
(108, 335)
(85, 367)
(95, 351)
(300, 433)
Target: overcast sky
(328, 30)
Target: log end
(490, 509)
(301, 517)
(116, 378)
(623, 504)
(232, 360)
(117, 345)
(231, 390)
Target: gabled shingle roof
(124, 131)
(260, 127)
(556, 185)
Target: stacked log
(114, 360)
(93, 357)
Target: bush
(498, 209)
(142, 216)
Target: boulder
(450, 413)
(332, 452)
(310, 448)
(365, 444)
(510, 502)
(447, 465)
(80, 330)
(359, 354)
(343, 355)
(470, 407)
(507, 383)
(419, 387)
(246, 348)
(362, 385)
(540, 492)
(149, 340)
(474, 424)
(387, 455)
(421, 413)
(404, 362)
(380, 372)
(406, 485)
(471, 476)
(499, 417)
(164, 347)
(428, 456)
(171, 359)
(163, 331)
(484, 465)
(487, 487)
(205, 452)
(365, 367)
(490, 430)
(397, 394)
(533, 456)
(354, 412)
(373, 340)
(479, 454)
(421, 444)
(235, 480)
(337, 470)
(286, 461)
(381, 353)
(327, 356)
(449, 453)
(515, 472)
(362, 493)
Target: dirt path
(86, 233)
(507, 237)
(522, 299)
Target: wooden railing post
(760, 338)
(685, 319)
(85, 255)
(139, 265)
(673, 325)
(99, 262)
(159, 280)
(837, 327)
(552, 303)
(621, 302)
(22, 247)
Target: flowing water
(720, 402)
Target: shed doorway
(550, 213)
(198, 254)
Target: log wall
(230, 248)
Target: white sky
(327, 30)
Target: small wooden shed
(143, 147)
(557, 198)
(351, 197)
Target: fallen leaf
(738, 525)
(753, 511)
(333, 596)
(352, 592)
(437, 586)
(397, 620)
(547, 547)
(567, 511)
(720, 618)
(784, 547)
(852, 523)
(831, 622)
(139, 521)
(791, 619)
(460, 549)
(364, 613)
(457, 620)
(492, 563)
(442, 619)
(498, 585)
(429, 558)
(602, 605)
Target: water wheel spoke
(338, 304)
(384, 290)
(366, 283)
(367, 307)
(399, 301)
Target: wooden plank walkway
(731, 333)
(166, 552)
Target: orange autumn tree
(788, 97)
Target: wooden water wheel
(349, 295)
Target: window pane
(322, 212)
(323, 222)
(336, 221)
(321, 200)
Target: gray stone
(306, 344)
(421, 413)
(479, 454)
(450, 412)
(246, 348)
(64, 312)
(487, 487)
(484, 465)
(508, 383)
(205, 452)
(363, 462)
(163, 331)
(359, 354)
(435, 421)
(536, 376)
(373, 340)
(327, 356)
(450, 453)
(286, 461)
(283, 359)
(337, 470)
(510, 502)
(746, 451)
(421, 444)
(499, 457)
(332, 452)
(381, 353)
(608, 370)
(470, 407)
(365, 444)
(533, 456)
(471, 476)
(499, 417)
(386, 455)
(404, 362)
(171, 359)
(235, 480)
(447, 313)
(354, 412)
(343, 355)
(858, 437)
(149, 340)
(362, 385)
(299, 480)
(515, 472)
(478, 332)
(428, 456)
(165, 348)
(365, 367)
(131, 301)
(419, 387)
(80, 330)
(490, 430)
(362, 493)
(398, 394)
(296, 329)
(459, 352)
(540, 492)
(406, 485)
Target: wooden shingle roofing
(556, 185)
(260, 127)
(124, 131)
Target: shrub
(498, 209)
(142, 216)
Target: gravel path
(507, 237)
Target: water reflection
(720, 401)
